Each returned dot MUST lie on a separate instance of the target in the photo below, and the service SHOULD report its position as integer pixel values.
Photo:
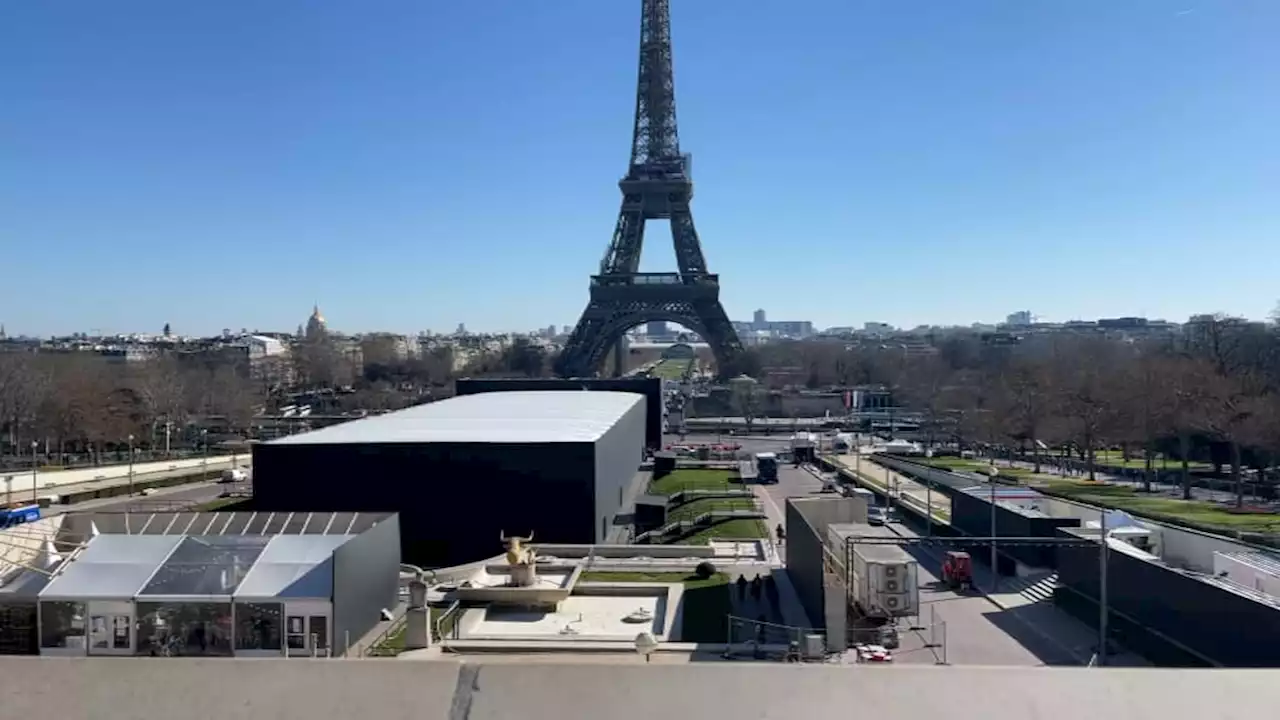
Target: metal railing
(446, 626)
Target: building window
(62, 625)
(258, 626)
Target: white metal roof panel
(529, 416)
(296, 566)
(112, 567)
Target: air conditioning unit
(890, 570)
(893, 603)
(892, 586)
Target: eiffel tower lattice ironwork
(658, 185)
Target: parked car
(877, 515)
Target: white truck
(882, 579)
(804, 447)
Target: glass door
(110, 634)
(306, 635)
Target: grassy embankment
(708, 479)
(1200, 515)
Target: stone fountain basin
(493, 586)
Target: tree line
(79, 406)
(1214, 389)
(86, 406)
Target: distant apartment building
(763, 328)
(1022, 318)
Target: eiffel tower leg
(619, 359)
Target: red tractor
(957, 570)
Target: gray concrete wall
(366, 579)
(617, 460)
(807, 521)
(484, 689)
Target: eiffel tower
(658, 185)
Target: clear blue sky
(421, 163)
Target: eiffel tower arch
(658, 186)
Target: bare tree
(927, 388)
(161, 390)
(1231, 402)
(1026, 389)
(24, 385)
(1085, 390)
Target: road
(974, 629)
(55, 481)
(196, 493)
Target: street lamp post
(35, 468)
(130, 465)
(928, 507)
(1103, 551)
(992, 472)
(204, 462)
(168, 430)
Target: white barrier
(20, 482)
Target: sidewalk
(895, 485)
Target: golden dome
(315, 314)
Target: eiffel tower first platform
(657, 186)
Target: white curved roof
(520, 416)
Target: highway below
(162, 499)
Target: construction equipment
(957, 570)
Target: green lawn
(691, 510)
(671, 369)
(737, 529)
(1114, 458)
(702, 479)
(694, 479)
(981, 467)
(1202, 515)
(704, 606)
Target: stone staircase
(1036, 588)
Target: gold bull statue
(517, 553)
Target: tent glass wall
(258, 626)
(184, 629)
(62, 624)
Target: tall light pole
(168, 430)
(204, 462)
(1104, 549)
(992, 472)
(35, 468)
(130, 465)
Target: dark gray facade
(456, 498)
(366, 579)
(971, 515)
(453, 498)
(804, 563)
(1168, 616)
(650, 388)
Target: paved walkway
(895, 485)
